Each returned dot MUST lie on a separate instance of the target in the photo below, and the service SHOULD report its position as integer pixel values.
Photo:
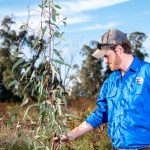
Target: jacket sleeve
(100, 114)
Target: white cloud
(100, 26)
(25, 13)
(79, 19)
(75, 9)
(79, 6)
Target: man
(124, 99)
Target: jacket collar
(135, 64)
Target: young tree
(43, 80)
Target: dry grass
(80, 109)
(7, 134)
(94, 140)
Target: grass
(94, 140)
(80, 109)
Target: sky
(88, 19)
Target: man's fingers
(55, 139)
(61, 139)
(55, 144)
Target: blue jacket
(124, 103)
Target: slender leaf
(14, 82)
(60, 62)
(25, 73)
(31, 106)
(58, 54)
(20, 61)
(57, 6)
(53, 14)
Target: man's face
(112, 59)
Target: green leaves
(14, 82)
(60, 62)
(20, 61)
(57, 6)
(22, 26)
(58, 54)
(33, 105)
(39, 79)
(17, 54)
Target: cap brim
(99, 53)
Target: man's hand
(62, 139)
(58, 141)
(83, 128)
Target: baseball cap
(110, 38)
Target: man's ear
(120, 49)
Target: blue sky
(88, 19)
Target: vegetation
(137, 39)
(10, 43)
(30, 81)
(97, 139)
(33, 124)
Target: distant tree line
(86, 82)
(12, 42)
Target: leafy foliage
(11, 41)
(91, 75)
(137, 39)
(38, 78)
